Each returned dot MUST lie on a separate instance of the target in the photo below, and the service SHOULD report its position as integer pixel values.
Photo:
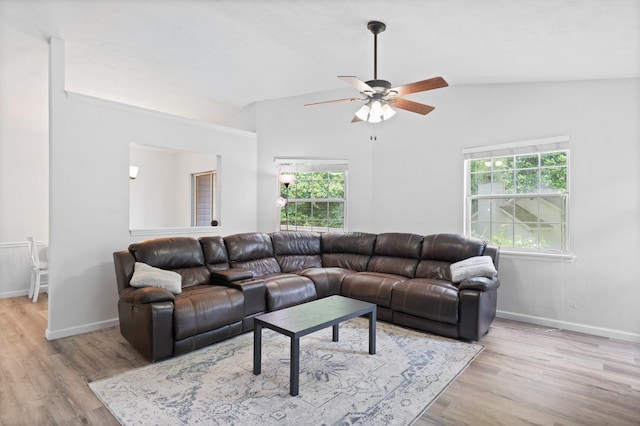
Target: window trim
(550, 144)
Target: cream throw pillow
(147, 276)
(477, 266)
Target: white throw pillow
(147, 276)
(477, 266)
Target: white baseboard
(86, 328)
(571, 326)
(17, 293)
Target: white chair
(38, 269)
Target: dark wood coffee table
(300, 320)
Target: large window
(517, 195)
(313, 197)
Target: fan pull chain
(373, 136)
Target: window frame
(302, 165)
(195, 196)
(521, 148)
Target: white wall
(160, 196)
(89, 178)
(411, 180)
(153, 194)
(24, 168)
(286, 129)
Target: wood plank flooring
(526, 375)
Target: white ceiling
(221, 55)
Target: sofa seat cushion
(374, 287)
(200, 309)
(437, 300)
(284, 290)
(326, 280)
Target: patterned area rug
(340, 383)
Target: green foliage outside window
(520, 174)
(316, 202)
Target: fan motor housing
(379, 85)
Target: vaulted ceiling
(220, 55)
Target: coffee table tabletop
(307, 318)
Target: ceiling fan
(379, 94)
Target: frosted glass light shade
(363, 112)
(376, 109)
(281, 202)
(374, 118)
(387, 112)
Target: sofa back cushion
(252, 251)
(180, 254)
(439, 251)
(348, 250)
(396, 253)
(296, 251)
(215, 252)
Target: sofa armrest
(480, 284)
(224, 276)
(254, 292)
(141, 295)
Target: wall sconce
(133, 172)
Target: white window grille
(517, 194)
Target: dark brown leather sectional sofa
(226, 281)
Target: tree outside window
(316, 200)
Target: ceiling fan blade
(335, 101)
(355, 119)
(360, 85)
(420, 86)
(412, 106)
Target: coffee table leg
(257, 348)
(336, 332)
(294, 373)
(372, 333)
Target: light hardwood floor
(525, 375)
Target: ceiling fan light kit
(380, 94)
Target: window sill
(173, 231)
(563, 257)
